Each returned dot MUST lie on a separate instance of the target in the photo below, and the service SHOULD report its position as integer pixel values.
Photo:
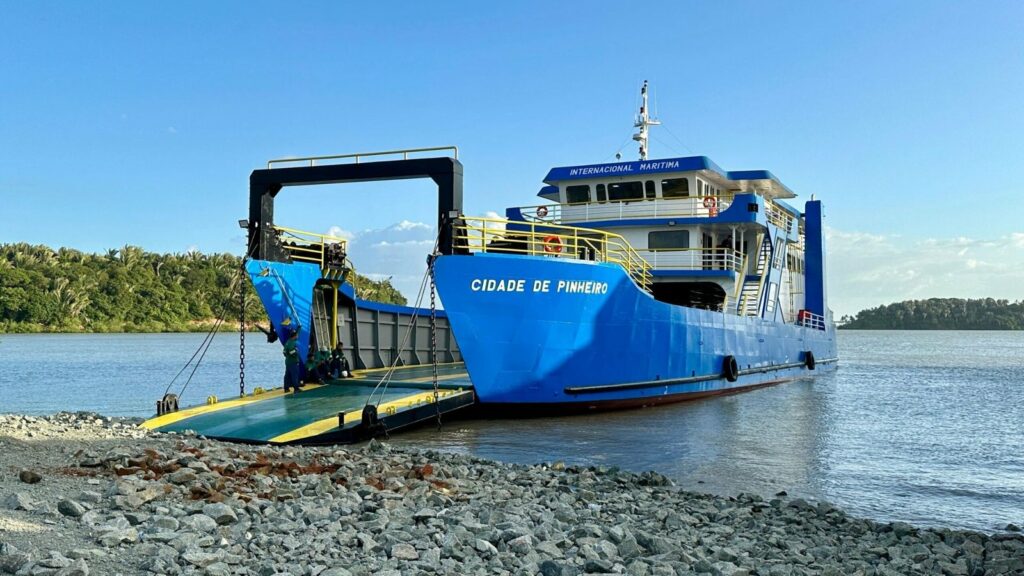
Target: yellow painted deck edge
(328, 424)
(167, 419)
(361, 373)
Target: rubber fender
(809, 360)
(369, 415)
(730, 369)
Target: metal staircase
(749, 301)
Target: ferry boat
(635, 283)
(639, 283)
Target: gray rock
(90, 497)
(70, 508)
(485, 548)
(55, 560)
(77, 568)
(29, 476)
(221, 513)
(202, 559)
(404, 551)
(218, 569)
(19, 501)
(629, 548)
(182, 476)
(165, 523)
(551, 568)
(13, 563)
(199, 523)
(521, 545)
(111, 538)
(86, 553)
(800, 504)
(598, 566)
(336, 571)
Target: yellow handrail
(480, 234)
(308, 246)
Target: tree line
(940, 314)
(130, 290)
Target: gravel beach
(83, 494)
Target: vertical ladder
(750, 295)
(320, 338)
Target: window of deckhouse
(602, 194)
(620, 191)
(649, 188)
(668, 239)
(577, 194)
(675, 188)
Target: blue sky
(140, 122)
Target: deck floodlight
(243, 223)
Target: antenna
(643, 122)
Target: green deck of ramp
(312, 414)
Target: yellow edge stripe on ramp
(327, 424)
(398, 383)
(361, 373)
(166, 419)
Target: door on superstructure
(707, 243)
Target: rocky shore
(82, 494)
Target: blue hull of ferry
(556, 332)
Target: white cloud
(385, 243)
(398, 252)
(409, 225)
(339, 232)
(866, 270)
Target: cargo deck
(327, 413)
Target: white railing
(809, 319)
(694, 259)
(693, 206)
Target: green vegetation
(941, 314)
(129, 290)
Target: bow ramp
(340, 411)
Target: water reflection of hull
(568, 335)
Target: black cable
(203, 355)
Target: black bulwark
(265, 185)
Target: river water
(924, 427)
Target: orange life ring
(710, 202)
(542, 211)
(552, 244)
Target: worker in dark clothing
(339, 364)
(312, 367)
(291, 363)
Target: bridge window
(675, 188)
(649, 188)
(668, 239)
(602, 194)
(620, 191)
(577, 194)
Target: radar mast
(643, 122)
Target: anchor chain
(433, 337)
(241, 335)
